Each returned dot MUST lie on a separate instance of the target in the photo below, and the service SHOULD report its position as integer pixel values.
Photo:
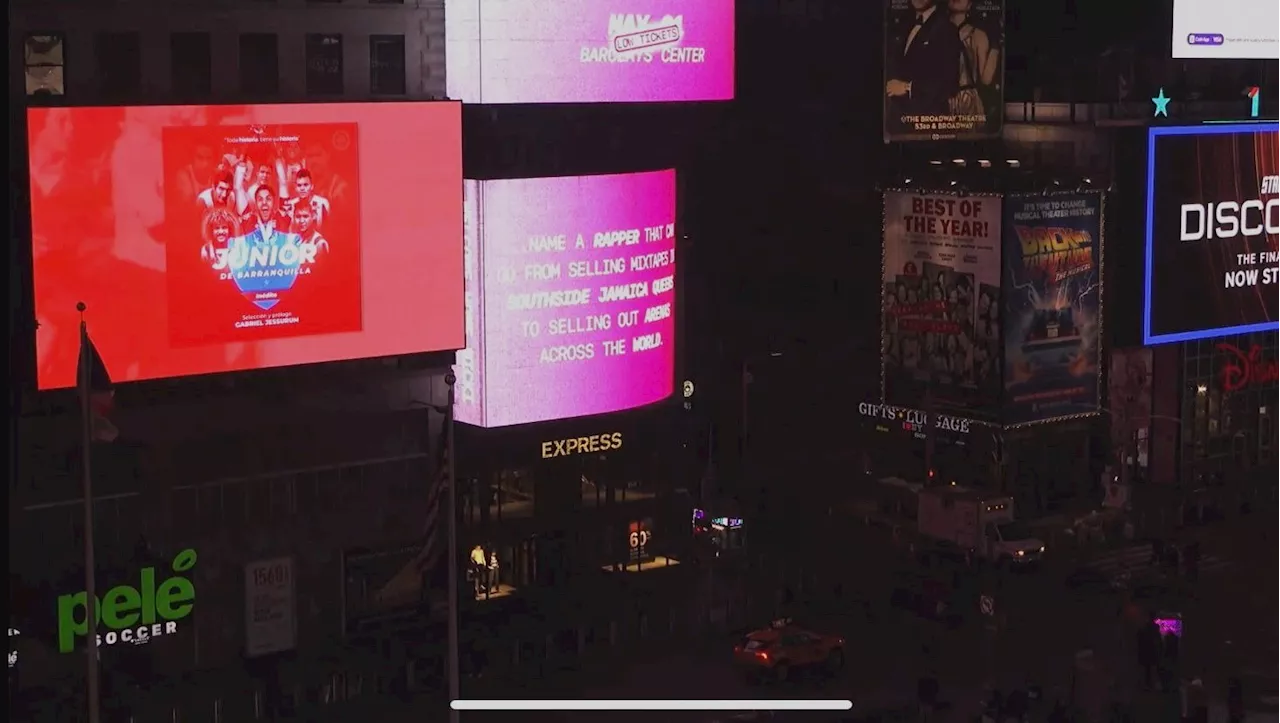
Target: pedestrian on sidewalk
(1235, 701)
(1192, 559)
(1197, 702)
(927, 686)
(1157, 553)
(1148, 652)
(1172, 560)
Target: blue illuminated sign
(1161, 337)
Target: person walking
(1191, 557)
(1148, 652)
(1235, 701)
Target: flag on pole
(94, 384)
(410, 582)
(435, 529)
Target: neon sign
(1241, 370)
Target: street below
(1066, 638)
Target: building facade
(273, 480)
(227, 51)
(1214, 411)
(270, 480)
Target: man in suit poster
(943, 65)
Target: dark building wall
(1227, 406)
(238, 479)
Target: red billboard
(210, 239)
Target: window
(324, 64)
(119, 62)
(191, 64)
(259, 64)
(44, 62)
(386, 64)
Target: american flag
(94, 385)
(413, 583)
(435, 531)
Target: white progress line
(624, 705)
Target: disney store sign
(1241, 370)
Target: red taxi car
(782, 647)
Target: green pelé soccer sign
(128, 614)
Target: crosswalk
(1134, 561)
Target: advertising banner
(949, 429)
(276, 257)
(208, 239)
(270, 616)
(588, 51)
(1213, 225)
(1223, 29)
(942, 302)
(1053, 267)
(574, 308)
(944, 69)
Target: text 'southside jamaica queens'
(128, 614)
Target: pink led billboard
(589, 51)
(570, 297)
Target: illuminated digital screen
(225, 238)
(589, 51)
(1213, 222)
(1226, 29)
(570, 297)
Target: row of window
(118, 63)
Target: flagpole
(90, 584)
(455, 680)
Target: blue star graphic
(1162, 104)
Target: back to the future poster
(1052, 287)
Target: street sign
(987, 605)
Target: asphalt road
(1044, 623)
(843, 589)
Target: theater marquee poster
(944, 69)
(1052, 287)
(942, 302)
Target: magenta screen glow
(589, 51)
(570, 297)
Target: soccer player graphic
(305, 195)
(304, 228)
(220, 227)
(220, 194)
(268, 258)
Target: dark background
(1187, 292)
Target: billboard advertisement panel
(1213, 224)
(944, 69)
(1052, 318)
(211, 239)
(588, 51)
(942, 302)
(1226, 29)
(570, 297)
